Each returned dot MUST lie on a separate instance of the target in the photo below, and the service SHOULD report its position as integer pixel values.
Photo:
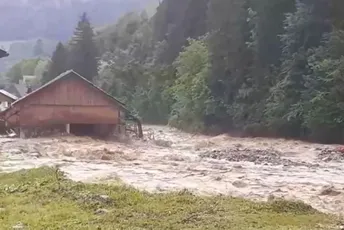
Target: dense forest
(250, 67)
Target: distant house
(6, 99)
(3, 53)
(71, 102)
(30, 80)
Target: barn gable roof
(65, 75)
(3, 53)
(7, 94)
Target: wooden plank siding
(42, 114)
(69, 100)
(71, 92)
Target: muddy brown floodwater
(253, 168)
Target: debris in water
(257, 156)
(331, 155)
(329, 191)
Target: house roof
(65, 75)
(3, 53)
(7, 94)
(18, 90)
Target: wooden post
(22, 133)
(121, 129)
(138, 122)
(68, 128)
(139, 126)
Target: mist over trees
(80, 54)
(55, 19)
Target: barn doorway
(82, 129)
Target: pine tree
(304, 30)
(268, 44)
(176, 21)
(83, 52)
(38, 49)
(58, 63)
(229, 56)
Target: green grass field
(43, 199)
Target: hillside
(28, 19)
(256, 68)
(24, 21)
(22, 49)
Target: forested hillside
(253, 67)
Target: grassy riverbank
(43, 199)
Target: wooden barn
(72, 103)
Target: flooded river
(167, 160)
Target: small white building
(6, 99)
